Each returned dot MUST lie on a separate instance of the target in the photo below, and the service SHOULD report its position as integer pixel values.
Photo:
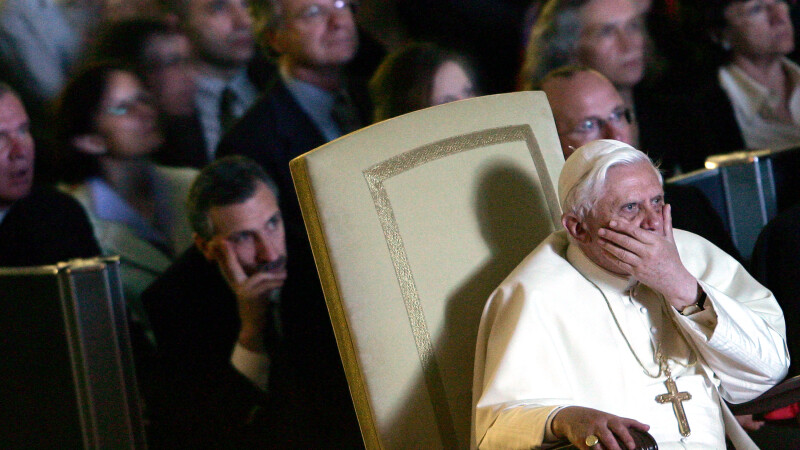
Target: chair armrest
(643, 439)
(783, 394)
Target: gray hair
(553, 41)
(226, 181)
(582, 196)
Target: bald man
(586, 107)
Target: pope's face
(633, 195)
(612, 40)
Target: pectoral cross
(677, 399)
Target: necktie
(226, 113)
(344, 113)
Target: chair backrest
(413, 222)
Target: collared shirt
(209, 97)
(755, 106)
(316, 102)
(109, 205)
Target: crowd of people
(114, 113)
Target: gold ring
(591, 440)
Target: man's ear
(91, 144)
(203, 246)
(575, 227)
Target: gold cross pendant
(677, 399)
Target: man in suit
(235, 365)
(229, 78)
(37, 225)
(307, 105)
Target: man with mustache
(232, 366)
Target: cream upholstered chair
(413, 222)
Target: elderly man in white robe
(619, 322)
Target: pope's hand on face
(652, 258)
(252, 292)
(576, 423)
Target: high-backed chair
(413, 222)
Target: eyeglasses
(591, 126)
(320, 13)
(126, 106)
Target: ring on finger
(591, 440)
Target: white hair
(583, 177)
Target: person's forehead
(598, 13)
(250, 213)
(584, 94)
(12, 112)
(630, 181)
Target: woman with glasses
(107, 127)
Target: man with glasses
(587, 107)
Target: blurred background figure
(761, 100)
(108, 129)
(162, 56)
(670, 121)
(37, 225)
(605, 35)
(228, 77)
(417, 76)
(42, 41)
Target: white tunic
(547, 338)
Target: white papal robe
(548, 338)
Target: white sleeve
(742, 334)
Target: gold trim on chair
(355, 379)
(375, 177)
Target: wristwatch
(697, 307)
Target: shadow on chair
(509, 229)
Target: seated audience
(41, 42)
(609, 36)
(108, 128)
(228, 82)
(619, 319)
(308, 104)
(235, 363)
(37, 225)
(761, 86)
(162, 57)
(418, 76)
(586, 107)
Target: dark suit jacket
(196, 399)
(45, 227)
(682, 125)
(776, 264)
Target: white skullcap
(581, 162)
